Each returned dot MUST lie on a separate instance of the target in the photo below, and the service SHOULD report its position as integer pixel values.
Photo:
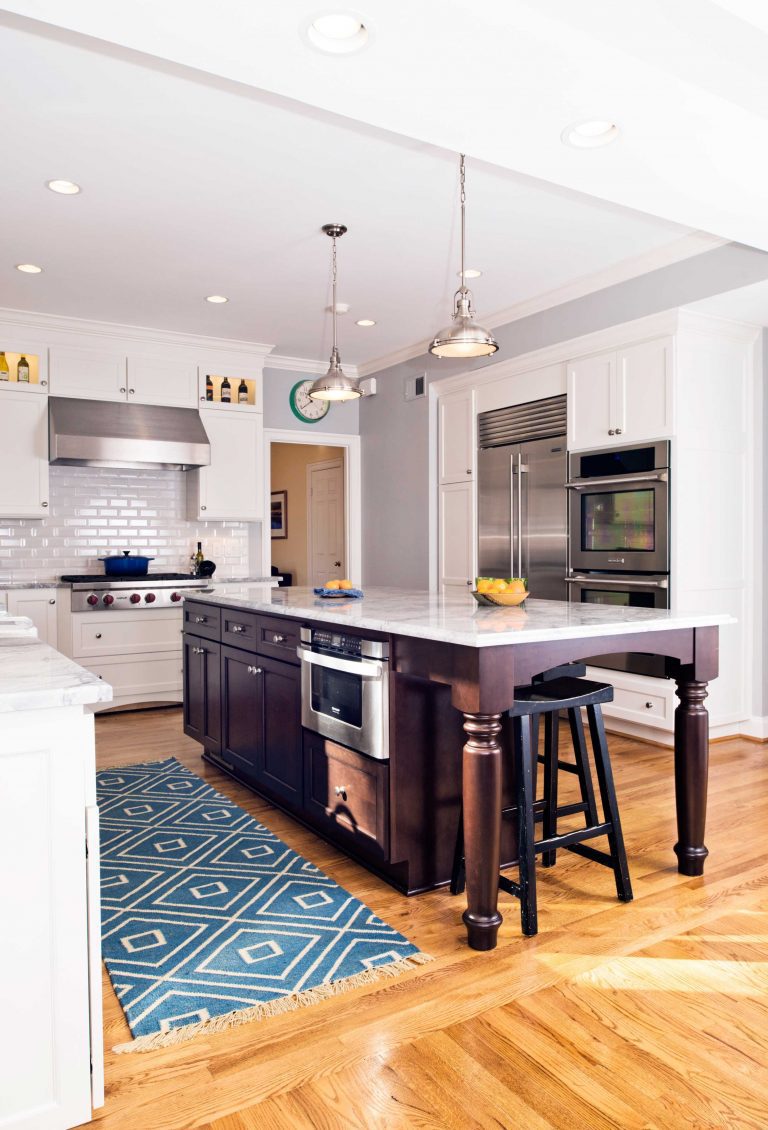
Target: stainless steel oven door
(626, 592)
(346, 700)
(620, 523)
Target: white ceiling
(195, 184)
(747, 304)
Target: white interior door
(325, 509)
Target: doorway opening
(308, 507)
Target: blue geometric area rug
(209, 920)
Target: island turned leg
(691, 768)
(482, 827)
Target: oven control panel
(337, 642)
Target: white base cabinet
(50, 960)
(40, 605)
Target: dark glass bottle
(199, 558)
(226, 391)
(208, 387)
(242, 393)
(22, 370)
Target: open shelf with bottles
(232, 393)
(22, 371)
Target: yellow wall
(289, 473)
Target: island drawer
(239, 629)
(202, 620)
(347, 795)
(279, 637)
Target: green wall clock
(306, 409)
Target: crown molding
(688, 246)
(305, 365)
(145, 335)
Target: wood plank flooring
(652, 1014)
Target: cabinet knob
(278, 638)
(44, 384)
(203, 399)
(98, 635)
(618, 431)
(51, 601)
(611, 431)
(43, 503)
(203, 507)
(649, 706)
(122, 389)
(131, 391)
(341, 790)
(469, 470)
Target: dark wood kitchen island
(453, 667)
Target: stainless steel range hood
(101, 433)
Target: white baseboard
(755, 728)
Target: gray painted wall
(396, 433)
(761, 694)
(344, 418)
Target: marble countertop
(33, 676)
(5, 586)
(456, 618)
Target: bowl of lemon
(505, 591)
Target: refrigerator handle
(513, 520)
(521, 470)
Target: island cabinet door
(202, 691)
(242, 713)
(279, 771)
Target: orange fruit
(346, 584)
(333, 584)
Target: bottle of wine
(199, 558)
(226, 391)
(242, 392)
(5, 374)
(208, 387)
(22, 370)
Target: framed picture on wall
(279, 514)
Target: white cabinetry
(40, 606)
(230, 489)
(89, 372)
(456, 437)
(621, 397)
(457, 535)
(52, 1069)
(23, 456)
(162, 380)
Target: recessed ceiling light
(29, 268)
(470, 273)
(336, 33)
(65, 187)
(590, 134)
(365, 322)
(216, 298)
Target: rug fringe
(271, 1008)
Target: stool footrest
(570, 838)
(509, 885)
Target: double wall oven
(618, 516)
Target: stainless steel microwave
(618, 509)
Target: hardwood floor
(652, 1014)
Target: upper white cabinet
(456, 437)
(622, 397)
(40, 606)
(161, 380)
(230, 489)
(23, 364)
(24, 456)
(88, 372)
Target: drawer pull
(649, 706)
(254, 670)
(277, 638)
(238, 628)
(341, 790)
(198, 650)
(201, 619)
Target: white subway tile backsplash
(98, 511)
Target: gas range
(97, 593)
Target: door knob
(337, 563)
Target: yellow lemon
(333, 584)
(346, 584)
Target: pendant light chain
(462, 178)
(334, 294)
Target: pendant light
(335, 385)
(464, 337)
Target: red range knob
(150, 598)
(108, 599)
(175, 596)
(92, 599)
(135, 598)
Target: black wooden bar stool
(548, 698)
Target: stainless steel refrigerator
(522, 506)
